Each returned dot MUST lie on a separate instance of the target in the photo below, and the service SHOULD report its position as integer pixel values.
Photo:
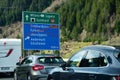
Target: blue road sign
(40, 33)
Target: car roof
(44, 55)
(101, 47)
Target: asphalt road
(6, 77)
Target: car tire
(113, 78)
(50, 78)
(29, 77)
(15, 76)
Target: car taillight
(116, 78)
(37, 67)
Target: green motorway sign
(41, 31)
(44, 18)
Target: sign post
(41, 31)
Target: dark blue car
(95, 62)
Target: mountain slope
(81, 20)
(98, 20)
(11, 10)
(55, 4)
(14, 30)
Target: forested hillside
(81, 20)
(90, 20)
(11, 10)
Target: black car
(36, 67)
(95, 62)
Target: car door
(85, 65)
(72, 70)
(24, 68)
(90, 64)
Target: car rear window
(50, 60)
(118, 56)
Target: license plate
(5, 68)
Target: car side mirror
(63, 65)
(109, 59)
(18, 63)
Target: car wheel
(50, 78)
(28, 77)
(15, 76)
(113, 78)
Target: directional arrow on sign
(27, 17)
(42, 15)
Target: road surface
(6, 77)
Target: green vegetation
(71, 47)
(11, 10)
(96, 19)
(81, 20)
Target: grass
(69, 48)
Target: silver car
(36, 67)
(95, 62)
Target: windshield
(50, 60)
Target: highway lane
(6, 77)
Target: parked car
(95, 62)
(35, 67)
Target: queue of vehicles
(95, 62)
